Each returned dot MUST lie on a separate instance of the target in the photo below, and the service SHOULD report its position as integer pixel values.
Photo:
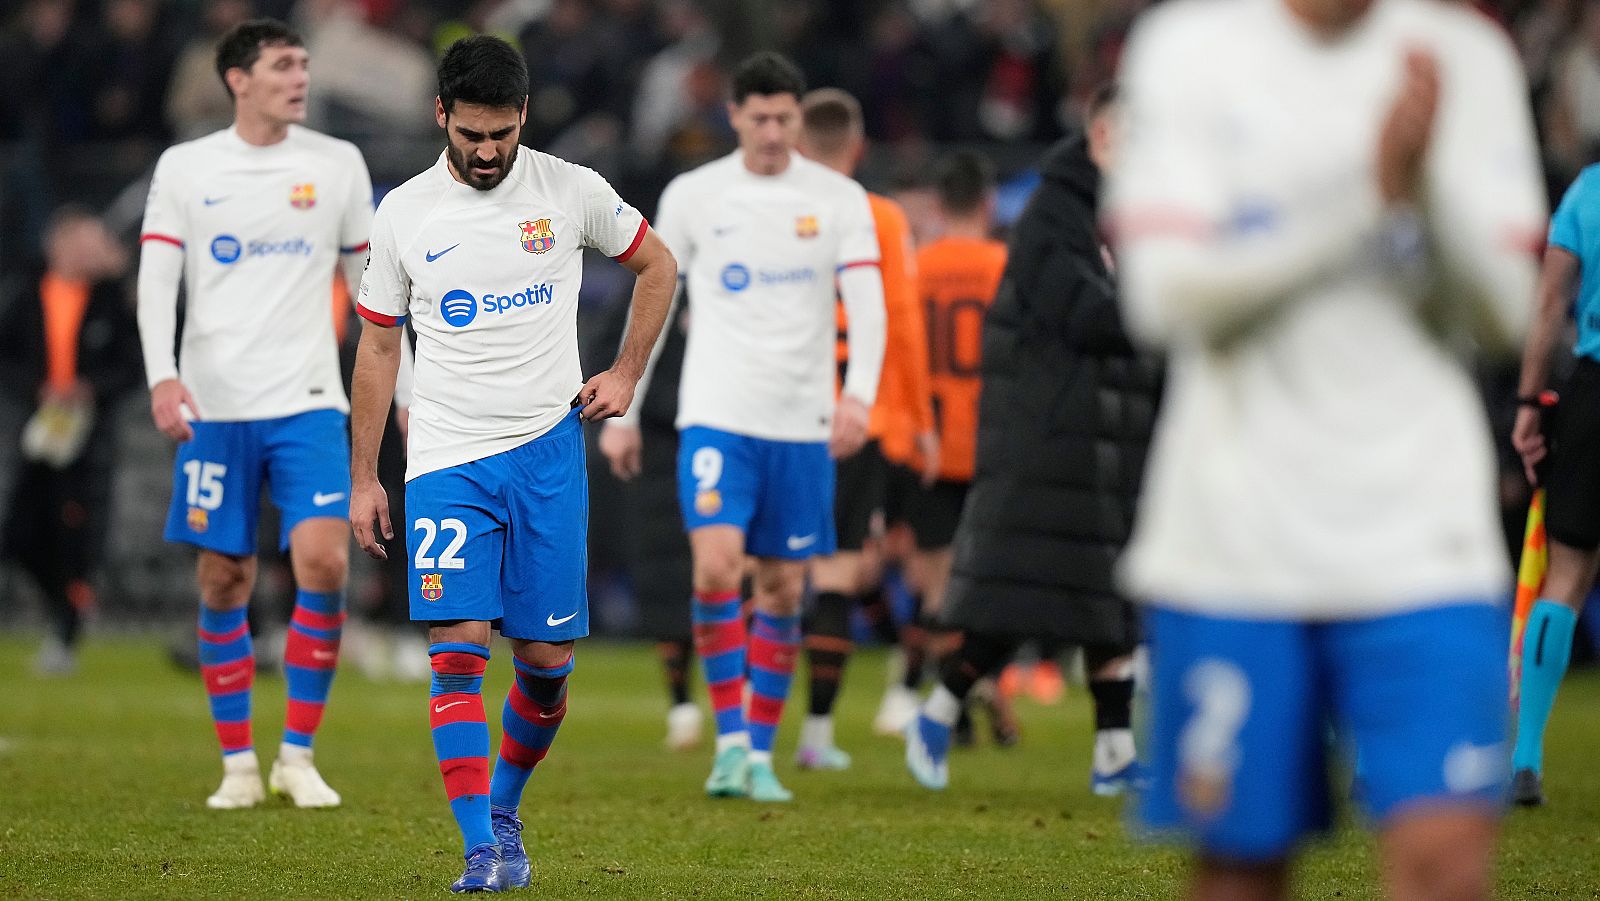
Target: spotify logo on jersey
(459, 308)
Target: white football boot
(294, 774)
(241, 783)
(685, 725)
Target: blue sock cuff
(780, 627)
(321, 602)
(222, 620)
(458, 647)
(544, 672)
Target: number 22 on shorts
(431, 530)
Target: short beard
(464, 169)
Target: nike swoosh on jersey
(323, 500)
(212, 201)
(552, 621)
(801, 542)
(431, 256)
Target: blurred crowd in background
(91, 91)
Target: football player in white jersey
(764, 236)
(255, 220)
(1316, 200)
(484, 254)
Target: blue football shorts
(304, 460)
(506, 538)
(779, 493)
(1242, 712)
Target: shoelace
(481, 857)
(507, 825)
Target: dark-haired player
(764, 235)
(484, 253)
(254, 220)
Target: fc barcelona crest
(537, 236)
(805, 227)
(199, 520)
(432, 586)
(303, 197)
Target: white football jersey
(490, 282)
(261, 230)
(760, 255)
(1321, 452)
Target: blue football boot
(485, 872)
(508, 832)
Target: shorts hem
(218, 547)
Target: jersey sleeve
(672, 223)
(858, 233)
(610, 224)
(1196, 258)
(355, 226)
(385, 288)
(1566, 229)
(1485, 202)
(164, 218)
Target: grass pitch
(103, 779)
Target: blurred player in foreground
(1572, 484)
(1315, 201)
(484, 253)
(764, 235)
(253, 220)
(833, 134)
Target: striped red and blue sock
(228, 666)
(535, 707)
(461, 735)
(719, 639)
(774, 645)
(309, 657)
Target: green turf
(103, 779)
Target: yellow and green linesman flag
(1530, 581)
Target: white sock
(294, 755)
(942, 706)
(1113, 750)
(761, 757)
(733, 740)
(240, 762)
(817, 732)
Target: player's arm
(1485, 201)
(906, 339)
(355, 226)
(611, 393)
(620, 439)
(1558, 279)
(860, 283)
(1197, 261)
(383, 302)
(161, 252)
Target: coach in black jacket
(1063, 426)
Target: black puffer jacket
(1063, 429)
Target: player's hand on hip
(172, 406)
(369, 502)
(928, 449)
(622, 445)
(1527, 436)
(1403, 140)
(606, 395)
(849, 427)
